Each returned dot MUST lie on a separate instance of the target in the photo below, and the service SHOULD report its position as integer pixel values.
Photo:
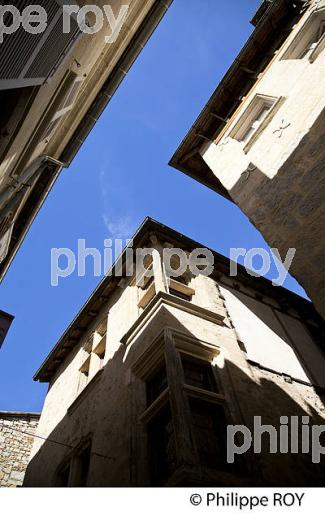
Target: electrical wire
(55, 442)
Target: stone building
(16, 441)
(54, 85)
(159, 360)
(259, 141)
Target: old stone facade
(144, 382)
(60, 85)
(15, 445)
(260, 140)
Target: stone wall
(15, 446)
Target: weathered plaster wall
(15, 446)
(109, 408)
(121, 312)
(279, 181)
(275, 339)
(107, 411)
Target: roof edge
(187, 158)
(130, 54)
(149, 225)
(20, 414)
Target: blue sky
(120, 176)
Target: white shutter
(30, 59)
(260, 330)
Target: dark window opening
(75, 472)
(202, 267)
(198, 373)
(84, 461)
(147, 281)
(314, 40)
(63, 476)
(179, 294)
(15, 104)
(162, 451)
(156, 384)
(180, 279)
(209, 425)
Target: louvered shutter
(30, 59)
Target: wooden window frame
(248, 116)
(93, 346)
(307, 38)
(169, 346)
(71, 463)
(71, 83)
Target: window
(178, 287)
(313, 42)
(63, 476)
(69, 95)
(156, 384)
(208, 419)
(99, 345)
(146, 285)
(253, 119)
(83, 461)
(84, 373)
(256, 122)
(74, 471)
(174, 285)
(209, 426)
(180, 279)
(94, 350)
(198, 373)
(147, 293)
(159, 425)
(147, 281)
(37, 56)
(196, 392)
(162, 450)
(180, 294)
(310, 41)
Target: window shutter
(30, 59)
(73, 82)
